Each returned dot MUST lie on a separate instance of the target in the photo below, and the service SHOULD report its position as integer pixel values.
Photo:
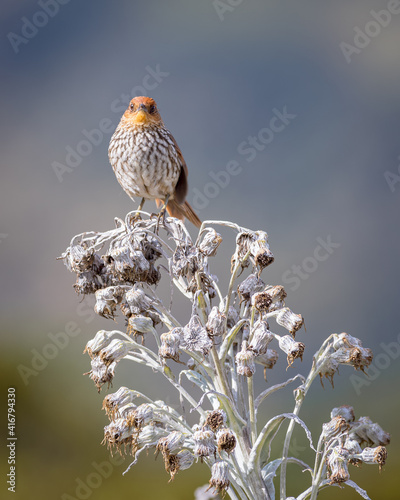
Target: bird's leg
(139, 208)
(161, 215)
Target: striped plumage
(147, 160)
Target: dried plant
(217, 350)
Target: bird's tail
(181, 211)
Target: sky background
(331, 174)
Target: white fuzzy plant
(217, 350)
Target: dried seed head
(245, 361)
(139, 325)
(358, 357)
(277, 293)
(170, 342)
(345, 411)
(114, 351)
(268, 359)
(112, 402)
(376, 455)
(216, 322)
(78, 258)
(138, 302)
(99, 342)
(226, 441)
(107, 300)
(101, 373)
(261, 337)
(293, 349)
(250, 286)
(337, 465)
(289, 320)
(126, 411)
(216, 419)
(181, 461)
(370, 433)
(335, 427)
(195, 337)
(118, 433)
(260, 251)
(219, 477)
(328, 369)
(353, 448)
(87, 283)
(204, 442)
(261, 301)
(171, 443)
(210, 243)
(233, 317)
(142, 416)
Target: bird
(147, 161)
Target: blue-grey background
(331, 174)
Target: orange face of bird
(142, 111)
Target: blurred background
(325, 186)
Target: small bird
(147, 160)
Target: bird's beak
(141, 114)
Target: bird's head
(142, 111)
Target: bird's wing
(181, 187)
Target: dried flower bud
(210, 243)
(337, 465)
(293, 349)
(216, 419)
(87, 283)
(345, 411)
(261, 337)
(99, 342)
(345, 340)
(139, 325)
(181, 461)
(114, 351)
(226, 441)
(142, 416)
(245, 361)
(277, 293)
(219, 477)
(328, 369)
(260, 251)
(107, 300)
(118, 433)
(195, 337)
(170, 342)
(171, 443)
(101, 373)
(289, 320)
(249, 286)
(370, 432)
(261, 301)
(335, 427)
(353, 447)
(233, 317)
(204, 442)
(137, 301)
(112, 402)
(358, 357)
(216, 322)
(267, 360)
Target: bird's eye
(131, 106)
(152, 109)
